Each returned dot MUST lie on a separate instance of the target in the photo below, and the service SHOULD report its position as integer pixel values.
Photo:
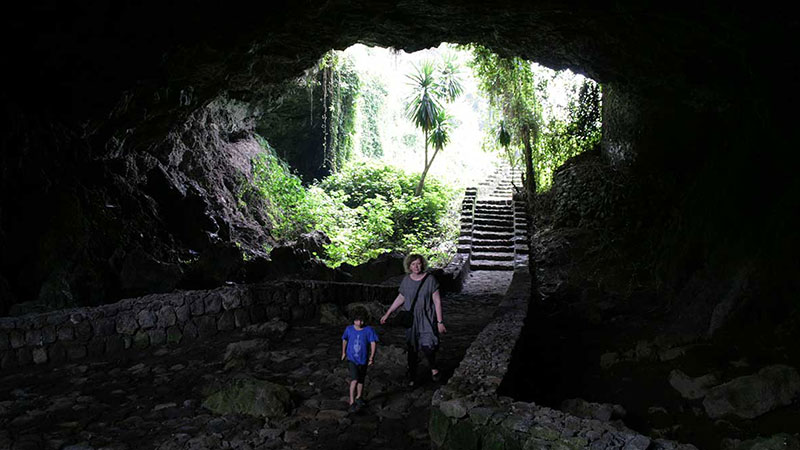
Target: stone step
(494, 211)
(491, 265)
(494, 256)
(494, 202)
(495, 235)
(504, 222)
(493, 249)
(502, 217)
(492, 243)
(493, 229)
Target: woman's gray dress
(424, 332)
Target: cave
(126, 125)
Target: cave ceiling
(83, 60)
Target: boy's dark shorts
(357, 372)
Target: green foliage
(286, 205)
(431, 86)
(366, 209)
(510, 85)
(424, 104)
(524, 115)
(370, 105)
(340, 89)
(381, 200)
(310, 121)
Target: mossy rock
(438, 426)
(462, 436)
(250, 396)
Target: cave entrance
(352, 126)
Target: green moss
(250, 396)
(438, 426)
(462, 436)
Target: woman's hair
(413, 257)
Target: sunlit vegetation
(374, 115)
(366, 208)
(526, 119)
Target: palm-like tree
(424, 106)
(439, 138)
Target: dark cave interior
(124, 122)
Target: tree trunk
(530, 197)
(421, 184)
(418, 191)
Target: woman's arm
(437, 304)
(396, 304)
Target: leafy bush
(287, 205)
(366, 209)
(391, 216)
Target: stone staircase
(493, 225)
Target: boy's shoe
(360, 403)
(436, 377)
(353, 408)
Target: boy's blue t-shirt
(358, 341)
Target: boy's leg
(353, 379)
(362, 377)
(353, 384)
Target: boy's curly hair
(359, 313)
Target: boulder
(330, 314)
(314, 242)
(378, 269)
(374, 310)
(781, 441)
(274, 330)
(244, 349)
(600, 411)
(753, 395)
(216, 265)
(246, 395)
(142, 273)
(691, 388)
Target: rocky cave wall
(127, 127)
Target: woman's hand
(442, 329)
(384, 317)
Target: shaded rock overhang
(90, 83)
(80, 57)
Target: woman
(423, 336)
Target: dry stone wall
(172, 318)
(469, 414)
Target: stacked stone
(469, 413)
(467, 216)
(493, 232)
(172, 318)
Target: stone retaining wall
(157, 319)
(468, 414)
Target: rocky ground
(163, 398)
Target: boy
(354, 348)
